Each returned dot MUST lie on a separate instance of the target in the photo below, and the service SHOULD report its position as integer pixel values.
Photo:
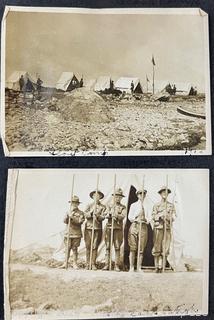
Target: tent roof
(90, 84)
(183, 86)
(64, 80)
(125, 83)
(102, 83)
(15, 76)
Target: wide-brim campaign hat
(118, 192)
(75, 199)
(141, 191)
(98, 191)
(164, 188)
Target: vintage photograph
(105, 81)
(106, 243)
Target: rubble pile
(84, 121)
(85, 106)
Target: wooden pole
(93, 223)
(69, 224)
(139, 233)
(153, 78)
(112, 226)
(164, 235)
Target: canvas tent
(13, 81)
(103, 83)
(89, 85)
(159, 86)
(67, 82)
(183, 88)
(124, 85)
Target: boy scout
(118, 213)
(97, 209)
(163, 212)
(137, 216)
(74, 234)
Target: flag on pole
(153, 60)
(147, 79)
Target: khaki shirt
(99, 216)
(119, 214)
(76, 220)
(162, 211)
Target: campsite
(102, 115)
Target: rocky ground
(84, 121)
(38, 291)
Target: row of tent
(68, 81)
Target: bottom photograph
(106, 243)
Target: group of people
(96, 212)
(26, 85)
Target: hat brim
(140, 192)
(99, 192)
(117, 194)
(161, 190)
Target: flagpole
(146, 84)
(153, 78)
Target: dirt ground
(36, 290)
(85, 121)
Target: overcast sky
(43, 194)
(117, 45)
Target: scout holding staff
(94, 215)
(114, 231)
(138, 231)
(73, 234)
(163, 216)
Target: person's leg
(132, 241)
(118, 238)
(75, 257)
(143, 242)
(95, 248)
(87, 238)
(157, 248)
(107, 243)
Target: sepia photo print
(106, 243)
(105, 82)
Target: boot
(106, 267)
(156, 264)
(87, 258)
(131, 261)
(75, 256)
(140, 262)
(94, 257)
(117, 260)
(160, 264)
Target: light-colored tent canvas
(13, 80)
(102, 83)
(124, 84)
(159, 86)
(90, 84)
(64, 81)
(183, 88)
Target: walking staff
(142, 214)
(93, 223)
(164, 235)
(69, 226)
(112, 225)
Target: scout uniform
(118, 212)
(99, 217)
(137, 216)
(163, 212)
(73, 236)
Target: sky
(117, 45)
(43, 195)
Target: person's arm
(66, 219)
(131, 215)
(121, 215)
(89, 212)
(100, 214)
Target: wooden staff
(93, 223)
(112, 226)
(139, 233)
(69, 224)
(164, 235)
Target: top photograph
(105, 82)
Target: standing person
(132, 87)
(73, 236)
(96, 209)
(163, 213)
(118, 213)
(136, 216)
(21, 83)
(39, 83)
